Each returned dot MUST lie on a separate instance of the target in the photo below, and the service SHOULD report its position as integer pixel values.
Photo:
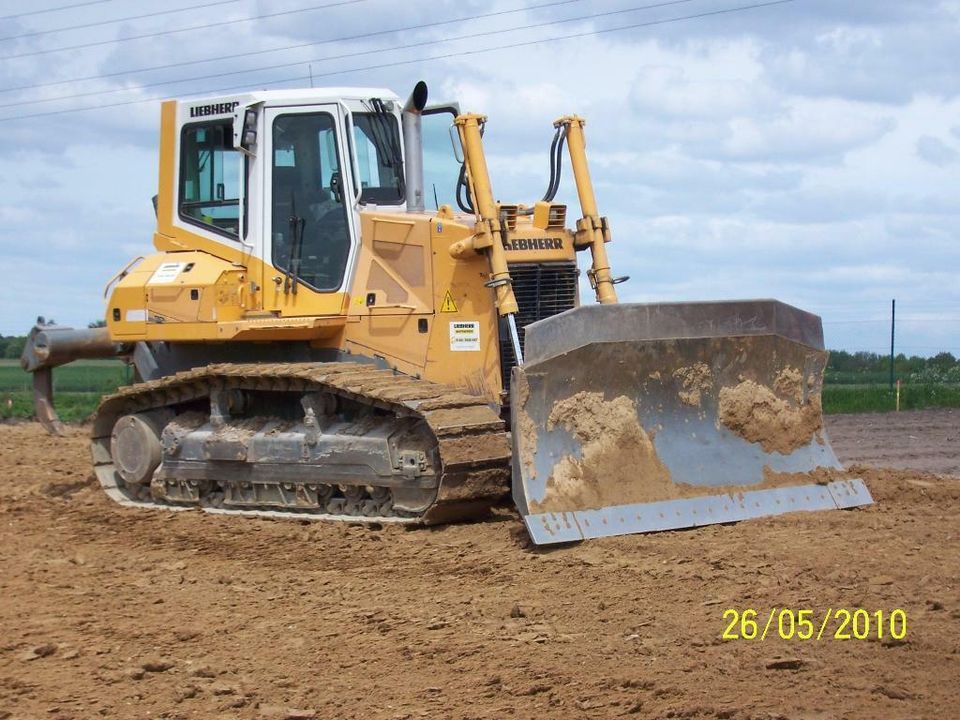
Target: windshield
(311, 239)
(377, 138)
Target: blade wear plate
(549, 528)
(668, 405)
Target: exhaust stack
(413, 147)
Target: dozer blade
(639, 418)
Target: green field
(880, 398)
(79, 386)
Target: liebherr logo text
(534, 244)
(213, 109)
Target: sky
(807, 151)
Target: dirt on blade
(120, 613)
(611, 438)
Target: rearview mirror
(248, 131)
(336, 188)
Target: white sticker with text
(166, 273)
(465, 336)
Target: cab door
(310, 222)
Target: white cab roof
(299, 96)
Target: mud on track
(108, 612)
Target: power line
(343, 56)
(117, 20)
(478, 51)
(181, 30)
(346, 38)
(50, 10)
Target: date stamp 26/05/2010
(807, 624)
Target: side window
(440, 166)
(377, 137)
(209, 177)
(310, 234)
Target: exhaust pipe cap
(418, 98)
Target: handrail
(121, 275)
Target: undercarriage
(312, 440)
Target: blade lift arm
(593, 231)
(490, 230)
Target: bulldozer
(310, 341)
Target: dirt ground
(110, 612)
(926, 440)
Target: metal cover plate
(549, 528)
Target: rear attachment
(48, 346)
(637, 418)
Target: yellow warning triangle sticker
(448, 304)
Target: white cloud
(936, 152)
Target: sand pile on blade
(779, 419)
(525, 427)
(618, 463)
(695, 380)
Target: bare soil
(927, 440)
(119, 613)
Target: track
(460, 447)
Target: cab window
(380, 162)
(310, 234)
(210, 177)
(440, 165)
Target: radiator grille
(542, 290)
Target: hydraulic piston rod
(592, 230)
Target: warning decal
(465, 336)
(448, 304)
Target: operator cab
(282, 174)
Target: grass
(880, 398)
(85, 376)
(79, 386)
(856, 377)
(71, 406)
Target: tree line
(11, 346)
(942, 367)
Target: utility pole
(893, 324)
